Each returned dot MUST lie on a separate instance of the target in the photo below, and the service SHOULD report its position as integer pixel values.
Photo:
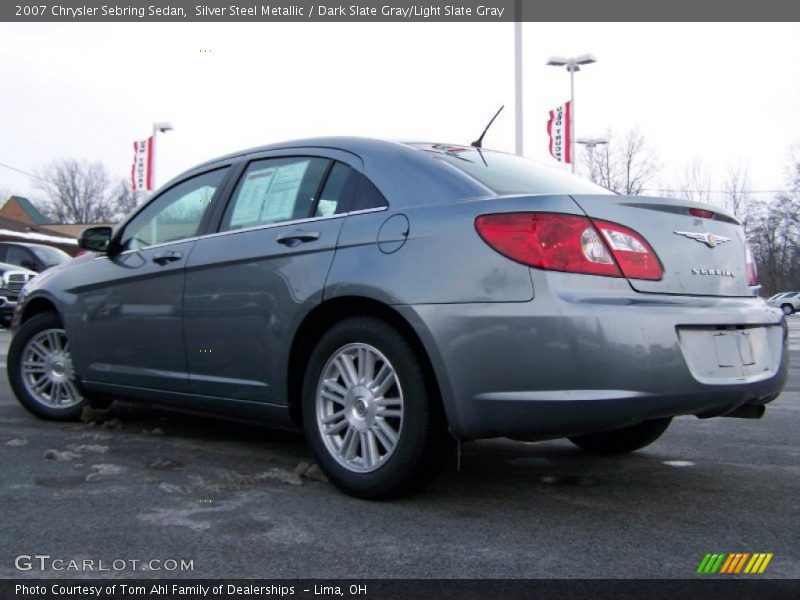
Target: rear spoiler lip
(674, 205)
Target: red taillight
(570, 243)
(703, 214)
(750, 266)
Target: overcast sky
(721, 93)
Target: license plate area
(731, 354)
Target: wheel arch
(38, 305)
(327, 314)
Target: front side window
(275, 190)
(175, 215)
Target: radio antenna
(479, 142)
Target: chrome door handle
(297, 237)
(167, 257)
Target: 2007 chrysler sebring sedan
(389, 298)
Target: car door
(129, 330)
(249, 285)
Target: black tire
(24, 334)
(787, 309)
(621, 441)
(423, 444)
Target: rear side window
(508, 174)
(275, 190)
(367, 195)
(347, 190)
(338, 188)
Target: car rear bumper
(578, 361)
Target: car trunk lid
(700, 256)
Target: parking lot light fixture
(160, 127)
(591, 143)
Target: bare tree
(736, 188)
(773, 228)
(75, 192)
(794, 170)
(695, 183)
(602, 166)
(775, 239)
(625, 164)
(126, 199)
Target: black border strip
(712, 587)
(38, 11)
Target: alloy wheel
(359, 407)
(47, 370)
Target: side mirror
(95, 239)
(27, 263)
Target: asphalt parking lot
(156, 485)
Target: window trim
(236, 166)
(295, 222)
(241, 168)
(256, 228)
(352, 213)
(352, 160)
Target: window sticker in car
(268, 195)
(251, 198)
(326, 208)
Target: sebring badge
(709, 239)
(713, 272)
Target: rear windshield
(509, 174)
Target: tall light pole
(518, 78)
(591, 144)
(572, 64)
(161, 127)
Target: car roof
(359, 146)
(403, 172)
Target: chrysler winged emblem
(709, 239)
